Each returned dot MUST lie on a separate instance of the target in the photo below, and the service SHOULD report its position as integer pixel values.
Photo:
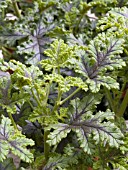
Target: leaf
(43, 115)
(13, 141)
(66, 83)
(83, 140)
(59, 55)
(80, 108)
(105, 81)
(76, 82)
(20, 74)
(10, 98)
(90, 128)
(116, 21)
(45, 5)
(7, 164)
(37, 40)
(31, 35)
(8, 36)
(3, 5)
(101, 58)
(60, 131)
(105, 132)
(57, 161)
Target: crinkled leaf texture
(66, 161)
(7, 164)
(36, 29)
(13, 141)
(59, 55)
(115, 21)
(8, 100)
(31, 33)
(61, 162)
(90, 128)
(66, 83)
(57, 161)
(99, 61)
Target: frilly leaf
(59, 55)
(13, 141)
(101, 57)
(88, 127)
(60, 131)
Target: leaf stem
(110, 99)
(46, 145)
(71, 95)
(37, 100)
(3, 13)
(122, 89)
(13, 122)
(30, 104)
(16, 8)
(47, 93)
(58, 68)
(124, 105)
(57, 104)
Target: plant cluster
(63, 84)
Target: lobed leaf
(59, 55)
(101, 58)
(88, 127)
(13, 141)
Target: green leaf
(7, 164)
(101, 58)
(43, 115)
(59, 55)
(81, 107)
(10, 97)
(90, 128)
(13, 141)
(116, 21)
(105, 81)
(60, 131)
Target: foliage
(63, 84)
(10, 141)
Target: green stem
(46, 145)
(71, 95)
(124, 105)
(37, 100)
(46, 132)
(77, 26)
(122, 89)
(110, 99)
(47, 93)
(3, 13)
(13, 122)
(31, 105)
(57, 104)
(58, 70)
(16, 9)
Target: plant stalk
(3, 13)
(71, 95)
(57, 104)
(46, 145)
(16, 8)
(124, 105)
(31, 105)
(37, 100)
(13, 122)
(110, 100)
(47, 93)
(122, 89)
